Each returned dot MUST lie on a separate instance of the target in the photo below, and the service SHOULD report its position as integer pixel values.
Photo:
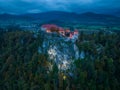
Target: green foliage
(103, 68)
(23, 68)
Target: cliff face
(60, 50)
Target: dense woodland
(23, 68)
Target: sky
(78, 6)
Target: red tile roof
(49, 26)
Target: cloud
(34, 6)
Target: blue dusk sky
(78, 6)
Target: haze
(79, 6)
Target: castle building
(49, 28)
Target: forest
(23, 68)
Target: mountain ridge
(70, 17)
(58, 12)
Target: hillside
(45, 61)
(65, 17)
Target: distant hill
(117, 13)
(7, 16)
(65, 17)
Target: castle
(50, 28)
